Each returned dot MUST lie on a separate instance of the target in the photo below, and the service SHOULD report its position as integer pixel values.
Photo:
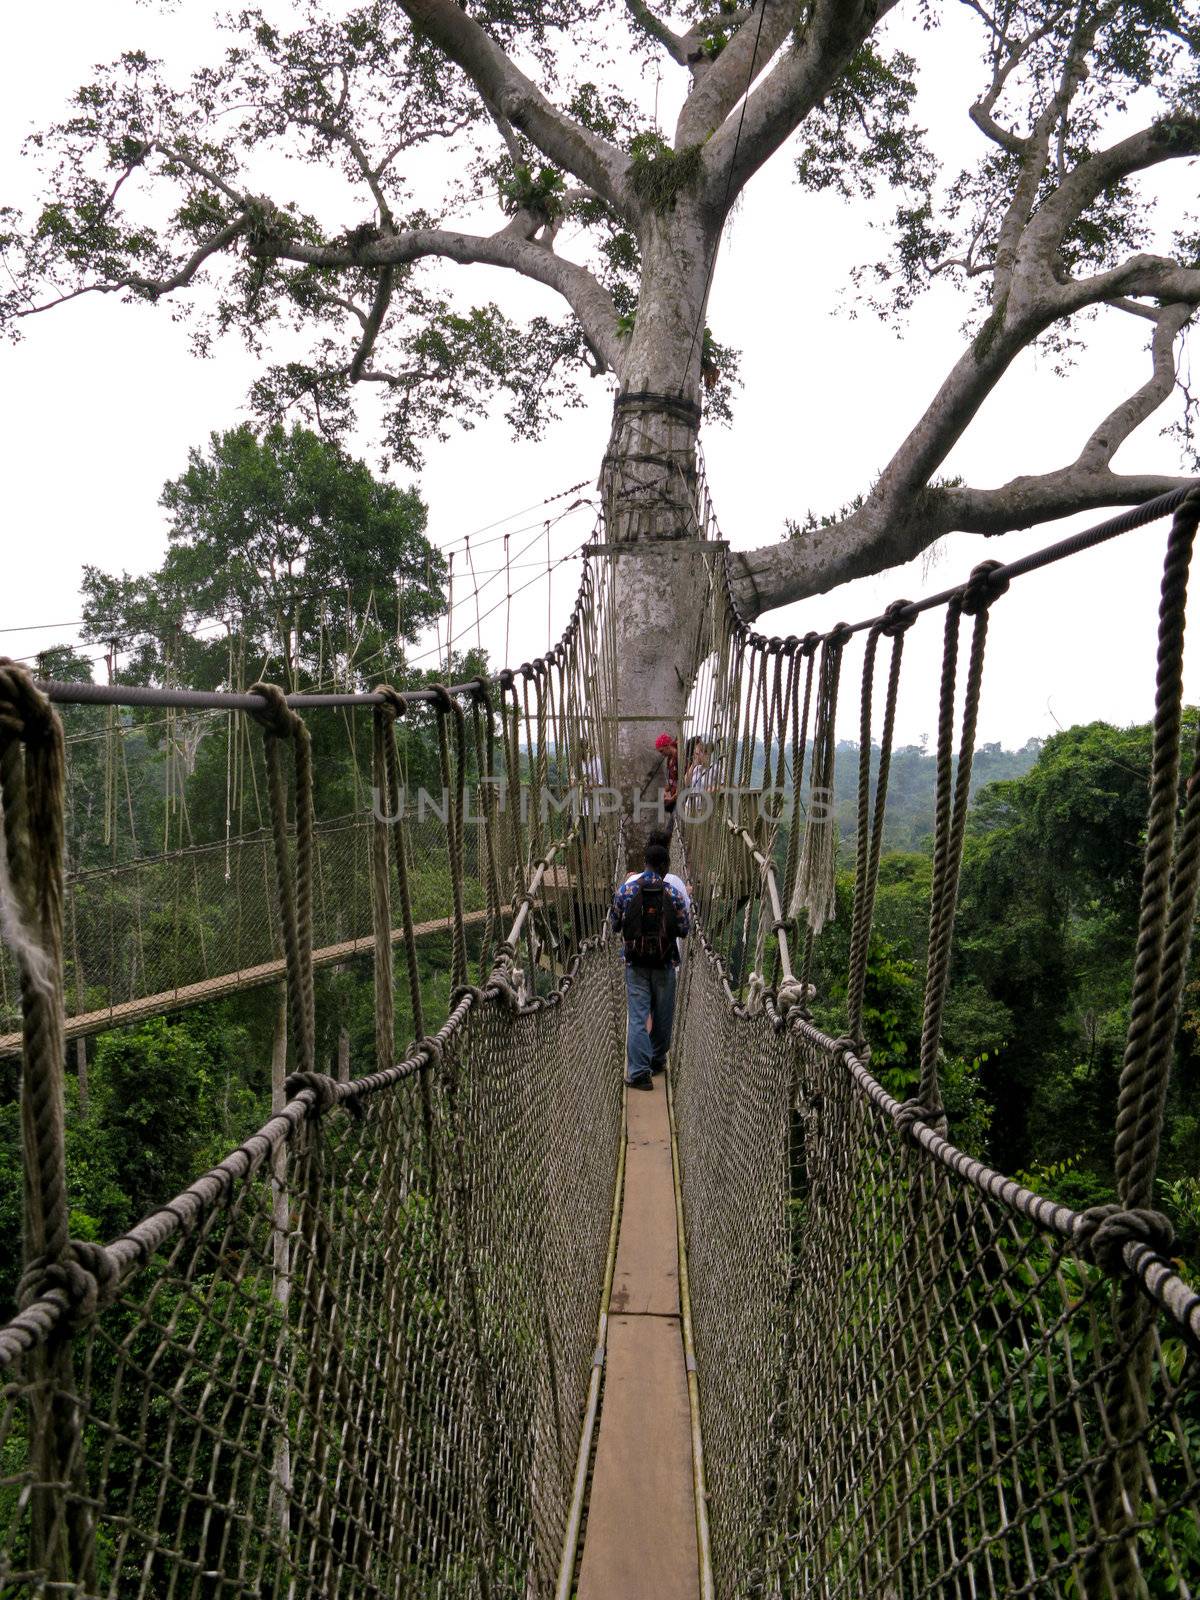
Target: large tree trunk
(651, 509)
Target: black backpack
(650, 926)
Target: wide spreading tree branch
(1158, 276)
(510, 248)
(729, 77)
(800, 79)
(372, 323)
(1007, 57)
(655, 28)
(861, 545)
(1112, 433)
(152, 288)
(593, 160)
(1034, 158)
(506, 130)
(688, 49)
(903, 514)
(1168, 139)
(336, 129)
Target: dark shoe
(639, 1083)
(658, 1066)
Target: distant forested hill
(912, 785)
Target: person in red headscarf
(668, 746)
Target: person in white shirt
(700, 776)
(671, 878)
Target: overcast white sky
(101, 402)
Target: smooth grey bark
(649, 494)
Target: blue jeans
(649, 992)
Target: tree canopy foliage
(294, 189)
(311, 564)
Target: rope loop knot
(810, 643)
(320, 1083)
(86, 1275)
(503, 986)
(910, 1112)
(982, 587)
(443, 704)
(858, 1048)
(1102, 1232)
(839, 634)
(462, 992)
(897, 618)
(429, 1050)
(394, 704)
(275, 715)
(793, 993)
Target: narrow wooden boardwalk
(641, 1531)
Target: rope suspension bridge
(373, 1352)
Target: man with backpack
(651, 916)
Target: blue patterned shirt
(626, 892)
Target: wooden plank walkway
(641, 1529)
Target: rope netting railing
(922, 1379)
(353, 1358)
(169, 895)
(199, 923)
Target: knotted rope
(279, 724)
(815, 891)
(455, 784)
(382, 725)
(869, 841)
(950, 814)
(388, 713)
(31, 910)
(32, 776)
(484, 731)
(1169, 883)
